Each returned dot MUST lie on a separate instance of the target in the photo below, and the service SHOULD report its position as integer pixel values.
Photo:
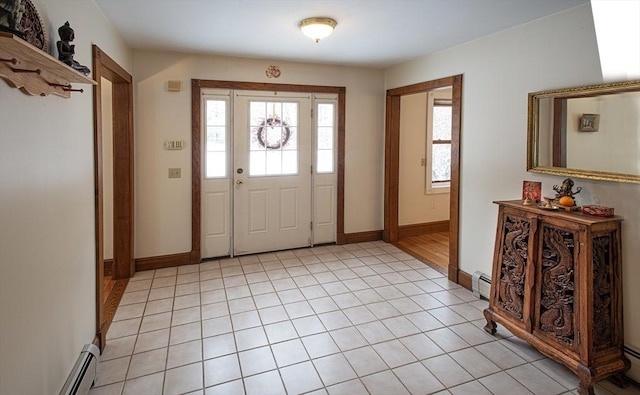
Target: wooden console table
(556, 283)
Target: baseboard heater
(84, 372)
(481, 285)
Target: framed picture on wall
(589, 122)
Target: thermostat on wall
(173, 144)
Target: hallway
(361, 318)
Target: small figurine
(566, 189)
(66, 51)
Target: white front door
(272, 172)
(257, 181)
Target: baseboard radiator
(481, 285)
(84, 372)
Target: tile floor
(356, 319)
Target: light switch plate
(175, 172)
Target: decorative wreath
(273, 123)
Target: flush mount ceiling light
(317, 28)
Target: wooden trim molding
(110, 307)
(122, 102)
(423, 229)
(196, 148)
(160, 262)
(464, 279)
(108, 267)
(362, 237)
(391, 231)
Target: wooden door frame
(392, 163)
(123, 157)
(196, 147)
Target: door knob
(239, 182)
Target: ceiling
(370, 33)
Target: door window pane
(216, 139)
(273, 138)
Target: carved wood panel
(513, 268)
(558, 284)
(602, 292)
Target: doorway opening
(113, 98)
(392, 231)
(199, 87)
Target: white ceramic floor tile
(365, 361)
(250, 338)
(384, 383)
(289, 352)
(151, 384)
(534, 380)
(362, 318)
(300, 378)
(502, 383)
(235, 387)
(448, 371)
(152, 340)
(111, 389)
(217, 346)
(348, 338)
(257, 360)
(320, 345)
(334, 369)
(216, 326)
(185, 333)
(118, 348)
(220, 370)
(147, 362)
(474, 362)
(264, 383)
(112, 371)
(417, 379)
(352, 387)
(184, 354)
(184, 379)
(394, 353)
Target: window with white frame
(216, 136)
(438, 149)
(325, 124)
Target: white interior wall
(499, 71)
(47, 242)
(414, 206)
(163, 205)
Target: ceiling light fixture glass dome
(317, 28)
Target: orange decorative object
(566, 201)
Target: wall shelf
(35, 72)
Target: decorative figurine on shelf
(565, 194)
(10, 15)
(67, 50)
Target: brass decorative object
(273, 71)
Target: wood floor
(108, 285)
(431, 247)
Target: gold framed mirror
(586, 132)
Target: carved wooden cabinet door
(515, 247)
(556, 296)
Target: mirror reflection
(587, 132)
